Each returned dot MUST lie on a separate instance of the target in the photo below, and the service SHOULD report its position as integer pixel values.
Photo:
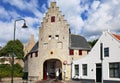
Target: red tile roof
(116, 36)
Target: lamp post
(24, 26)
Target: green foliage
(18, 70)
(5, 70)
(11, 46)
(92, 43)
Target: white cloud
(17, 3)
(95, 5)
(6, 32)
(23, 5)
(6, 29)
(105, 15)
(101, 16)
(3, 13)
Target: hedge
(5, 70)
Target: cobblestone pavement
(43, 81)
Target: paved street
(43, 81)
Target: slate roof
(78, 42)
(35, 48)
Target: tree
(92, 43)
(13, 46)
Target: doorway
(98, 72)
(49, 69)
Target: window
(106, 52)
(45, 45)
(77, 70)
(114, 70)
(59, 45)
(49, 37)
(84, 69)
(80, 52)
(56, 36)
(36, 54)
(53, 19)
(71, 52)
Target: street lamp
(24, 26)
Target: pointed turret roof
(30, 44)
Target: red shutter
(53, 19)
(80, 52)
(36, 54)
(71, 52)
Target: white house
(102, 64)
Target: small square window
(71, 52)
(49, 37)
(53, 19)
(80, 52)
(56, 36)
(45, 45)
(106, 52)
(59, 44)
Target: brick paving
(42, 81)
(45, 81)
(58, 81)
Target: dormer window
(53, 19)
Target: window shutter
(36, 54)
(80, 52)
(71, 52)
(53, 19)
(101, 51)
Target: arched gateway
(50, 68)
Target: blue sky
(88, 18)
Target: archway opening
(50, 67)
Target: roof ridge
(76, 34)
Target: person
(60, 74)
(57, 73)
